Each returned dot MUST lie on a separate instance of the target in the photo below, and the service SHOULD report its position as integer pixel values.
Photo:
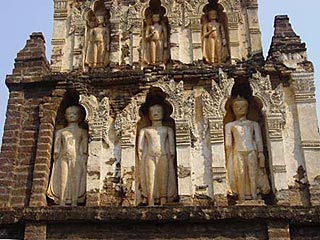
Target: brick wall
(10, 146)
(21, 129)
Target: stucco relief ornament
(85, 5)
(263, 82)
(183, 105)
(272, 98)
(273, 103)
(116, 11)
(182, 10)
(139, 5)
(219, 93)
(209, 104)
(292, 60)
(175, 95)
(126, 122)
(103, 110)
(97, 116)
(76, 20)
(231, 5)
(132, 18)
(188, 109)
(191, 4)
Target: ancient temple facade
(161, 119)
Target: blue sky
(18, 19)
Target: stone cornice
(301, 215)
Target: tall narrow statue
(214, 41)
(155, 40)
(97, 42)
(156, 154)
(244, 151)
(68, 178)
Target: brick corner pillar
(278, 230)
(35, 230)
(32, 58)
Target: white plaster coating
(201, 162)
(293, 152)
(183, 161)
(184, 36)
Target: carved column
(273, 109)
(218, 160)
(233, 28)
(77, 32)
(59, 34)
(214, 110)
(97, 114)
(253, 27)
(182, 11)
(132, 30)
(183, 105)
(201, 156)
(194, 9)
(135, 38)
(126, 124)
(77, 52)
(275, 124)
(195, 25)
(304, 91)
(174, 39)
(116, 22)
(183, 148)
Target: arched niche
(97, 43)
(215, 43)
(155, 35)
(256, 113)
(71, 98)
(255, 110)
(243, 89)
(229, 5)
(154, 97)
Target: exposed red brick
(278, 230)
(40, 174)
(39, 190)
(38, 199)
(42, 167)
(32, 58)
(44, 154)
(35, 230)
(43, 146)
(18, 201)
